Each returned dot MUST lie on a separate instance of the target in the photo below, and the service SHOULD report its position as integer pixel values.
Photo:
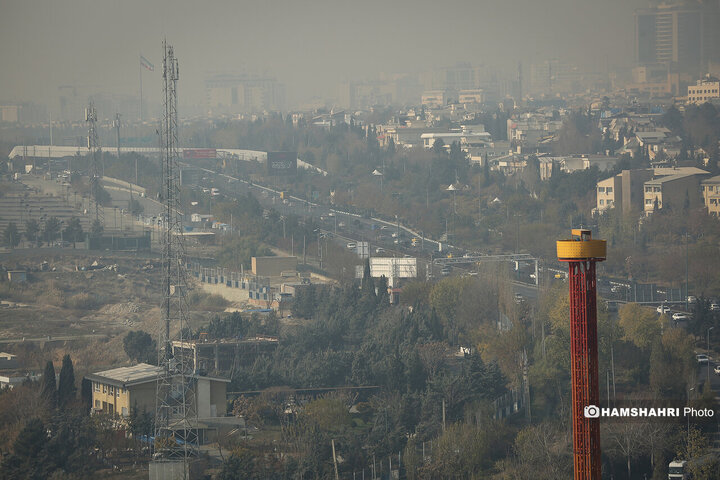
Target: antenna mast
(176, 436)
(92, 143)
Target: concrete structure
(236, 93)
(17, 276)
(476, 95)
(223, 356)
(391, 268)
(685, 35)
(8, 360)
(13, 379)
(467, 139)
(623, 191)
(274, 266)
(119, 390)
(710, 189)
(704, 91)
(438, 98)
(673, 191)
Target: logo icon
(591, 411)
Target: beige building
(673, 191)
(624, 191)
(119, 390)
(710, 189)
(703, 91)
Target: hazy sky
(311, 45)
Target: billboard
(191, 153)
(282, 163)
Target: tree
(32, 228)
(25, 460)
(49, 388)
(74, 231)
(140, 347)
(66, 384)
(96, 228)
(11, 235)
(51, 229)
(640, 324)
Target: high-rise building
(686, 35)
(242, 93)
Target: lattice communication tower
(93, 149)
(176, 436)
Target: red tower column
(582, 253)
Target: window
(111, 389)
(648, 189)
(601, 189)
(96, 386)
(609, 189)
(124, 411)
(97, 404)
(610, 202)
(656, 189)
(602, 202)
(648, 201)
(104, 388)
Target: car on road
(663, 309)
(717, 369)
(351, 245)
(679, 316)
(692, 299)
(715, 306)
(702, 358)
(379, 250)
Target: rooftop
(140, 373)
(667, 178)
(713, 180)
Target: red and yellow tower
(581, 253)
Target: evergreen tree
(66, 385)
(49, 388)
(367, 285)
(86, 395)
(11, 236)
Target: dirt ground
(79, 303)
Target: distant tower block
(581, 253)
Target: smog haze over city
(310, 46)
(409, 240)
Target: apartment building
(672, 191)
(119, 390)
(710, 189)
(623, 191)
(704, 91)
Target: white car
(351, 245)
(717, 369)
(702, 358)
(679, 316)
(663, 309)
(715, 306)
